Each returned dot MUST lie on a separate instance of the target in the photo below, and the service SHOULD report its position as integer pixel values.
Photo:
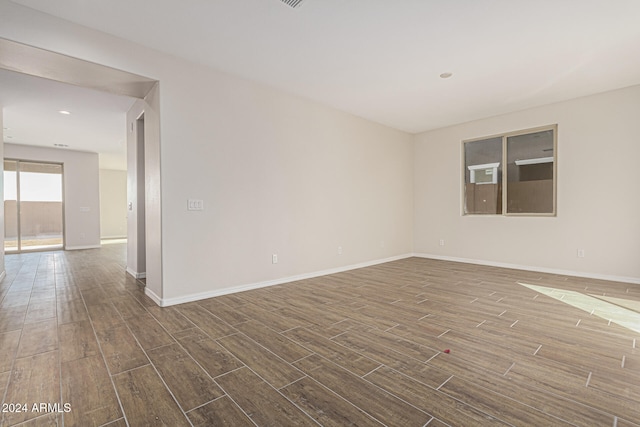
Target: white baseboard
(634, 280)
(77, 248)
(166, 302)
(3, 275)
(136, 275)
(148, 292)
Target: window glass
(483, 175)
(530, 173)
(521, 164)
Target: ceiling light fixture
(65, 112)
(445, 75)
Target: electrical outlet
(441, 242)
(339, 250)
(580, 253)
(274, 259)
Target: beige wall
(81, 190)
(2, 269)
(113, 203)
(598, 203)
(278, 175)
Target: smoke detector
(292, 3)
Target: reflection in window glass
(530, 173)
(483, 175)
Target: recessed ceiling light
(65, 112)
(445, 75)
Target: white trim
(494, 172)
(77, 248)
(250, 286)
(534, 161)
(484, 166)
(148, 292)
(634, 280)
(3, 275)
(136, 275)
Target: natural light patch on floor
(112, 241)
(617, 310)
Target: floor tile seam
(364, 379)
(404, 339)
(105, 362)
(567, 397)
(503, 348)
(504, 396)
(113, 421)
(389, 348)
(338, 395)
(277, 390)
(5, 392)
(283, 336)
(599, 366)
(216, 317)
(201, 329)
(265, 348)
(436, 419)
(30, 420)
(313, 352)
(155, 369)
(233, 400)
(224, 394)
(618, 397)
(556, 364)
(186, 351)
(496, 417)
(57, 328)
(393, 394)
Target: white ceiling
(97, 122)
(381, 59)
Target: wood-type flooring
(414, 342)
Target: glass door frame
(19, 248)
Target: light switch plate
(195, 205)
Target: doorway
(67, 69)
(33, 206)
(141, 245)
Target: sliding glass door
(33, 206)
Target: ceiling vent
(292, 3)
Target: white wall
(278, 174)
(2, 268)
(81, 190)
(598, 202)
(113, 203)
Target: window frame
(504, 176)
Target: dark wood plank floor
(361, 348)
